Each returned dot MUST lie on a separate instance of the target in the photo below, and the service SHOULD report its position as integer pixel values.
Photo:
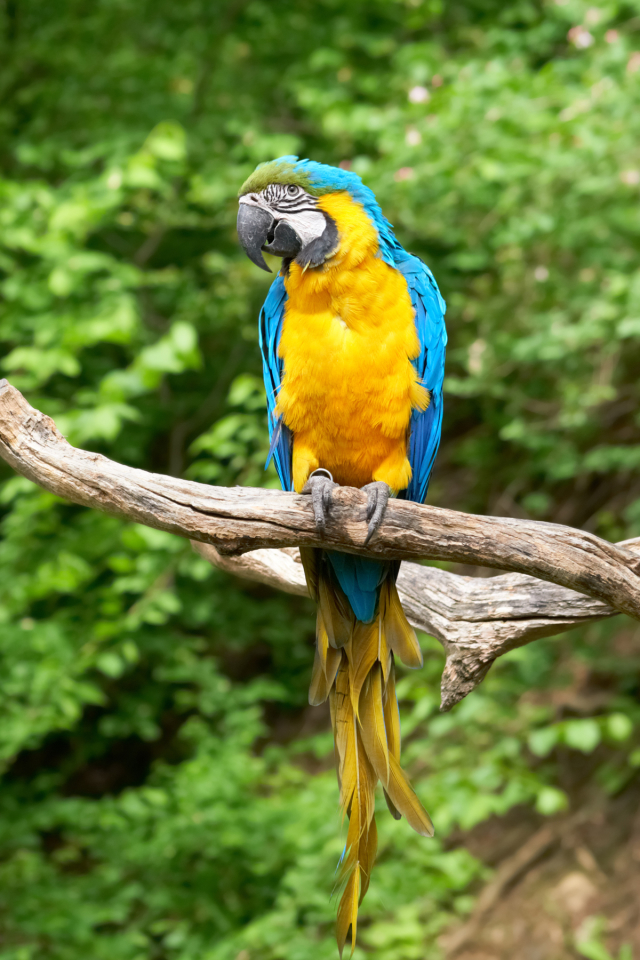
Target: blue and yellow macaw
(353, 343)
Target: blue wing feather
(270, 328)
(426, 425)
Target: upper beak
(258, 231)
(254, 225)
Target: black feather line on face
(288, 198)
(319, 250)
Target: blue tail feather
(360, 578)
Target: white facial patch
(308, 224)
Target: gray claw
(377, 500)
(320, 485)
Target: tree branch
(475, 619)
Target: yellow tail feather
(362, 654)
(325, 665)
(400, 634)
(392, 726)
(354, 668)
(374, 732)
(348, 912)
(392, 714)
(310, 558)
(336, 613)
(357, 798)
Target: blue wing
(426, 425)
(270, 328)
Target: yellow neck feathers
(347, 343)
(340, 276)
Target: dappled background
(167, 792)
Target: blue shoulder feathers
(426, 425)
(270, 328)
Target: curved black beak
(258, 231)
(254, 226)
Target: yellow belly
(347, 343)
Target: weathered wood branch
(475, 619)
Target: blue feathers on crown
(326, 178)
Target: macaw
(353, 343)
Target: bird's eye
(292, 190)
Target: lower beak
(258, 231)
(286, 242)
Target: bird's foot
(377, 500)
(320, 485)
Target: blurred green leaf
(582, 735)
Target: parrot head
(281, 211)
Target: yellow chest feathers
(347, 342)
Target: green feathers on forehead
(279, 171)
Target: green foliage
(165, 795)
(588, 941)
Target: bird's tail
(354, 668)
